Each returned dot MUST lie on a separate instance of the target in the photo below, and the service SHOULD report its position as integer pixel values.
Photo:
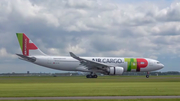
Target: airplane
(93, 65)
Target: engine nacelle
(115, 70)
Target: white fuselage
(71, 64)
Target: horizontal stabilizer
(31, 59)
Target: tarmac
(93, 97)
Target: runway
(95, 97)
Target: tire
(147, 76)
(95, 76)
(87, 76)
(90, 76)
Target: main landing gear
(147, 75)
(91, 75)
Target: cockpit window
(158, 62)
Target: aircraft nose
(162, 66)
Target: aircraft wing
(88, 63)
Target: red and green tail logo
(24, 44)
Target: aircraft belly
(59, 65)
(68, 66)
(149, 68)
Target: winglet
(74, 56)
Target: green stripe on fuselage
(20, 39)
(131, 63)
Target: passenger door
(151, 63)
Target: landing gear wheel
(147, 76)
(88, 76)
(91, 76)
(94, 76)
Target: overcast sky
(121, 28)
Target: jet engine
(115, 70)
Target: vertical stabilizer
(27, 46)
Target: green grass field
(81, 86)
(106, 100)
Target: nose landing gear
(147, 75)
(91, 75)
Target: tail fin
(27, 46)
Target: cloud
(76, 49)
(4, 54)
(111, 26)
(170, 13)
(92, 27)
